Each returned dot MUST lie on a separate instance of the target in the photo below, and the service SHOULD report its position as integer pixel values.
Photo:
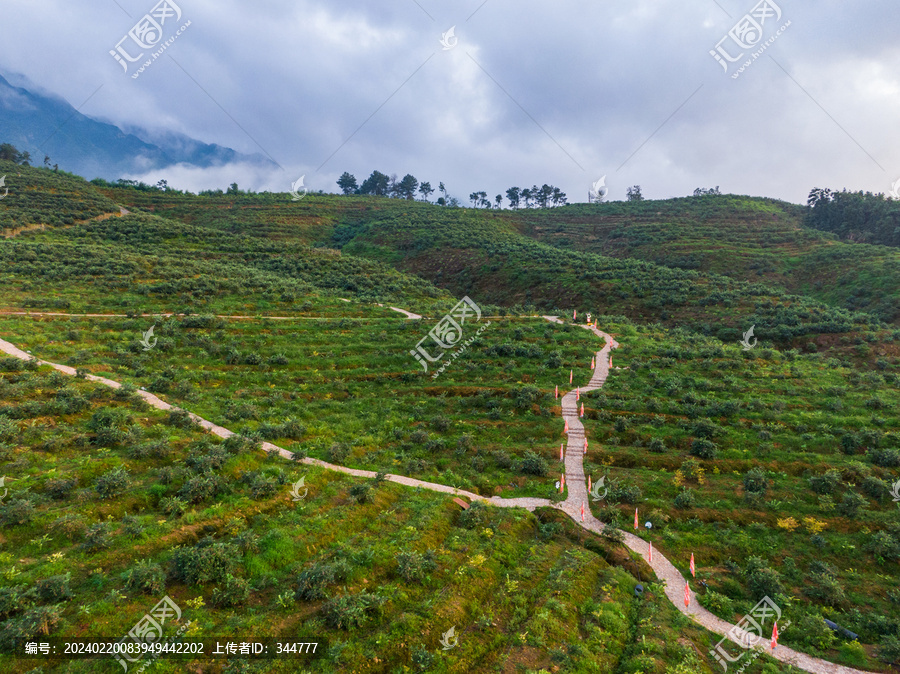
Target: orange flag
(561, 451)
(562, 483)
(650, 556)
(566, 428)
(585, 445)
(592, 363)
(556, 392)
(589, 482)
(774, 635)
(581, 414)
(582, 511)
(570, 376)
(692, 566)
(687, 595)
(635, 518)
(577, 393)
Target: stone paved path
(577, 494)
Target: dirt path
(577, 495)
(406, 313)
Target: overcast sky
(529, 92)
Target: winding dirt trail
(577, 496)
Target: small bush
(54, 589)
(362, 492)
(233, 592)
(16, 511)
(475, 515)
(414, 566)
(851, 504)
(96, 538)
(172, 506)
(207, 561)
(338, 452)
(685, 499)
(112, 483)
(825, 483)
(657, 446)
(350, 610)
(703, 448)
(35, 622)
(61, 488)
(534, 464)
(755, 481)
(311, 584)
(145, 577)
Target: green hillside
(773, 466)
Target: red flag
(610, 361)
(774, 635)
(650, 554)
(582, 511)
(687, 595)
(570, 376)
(595, 323)
(593, 365)
(589, 482)
(574, 313)
(562, 483)
(585, 445)
(635, 518)
(577, 393)
(566, 428)
(561, 451)
(581, 414)
(693, 573)
(556, 392)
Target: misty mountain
(43, 124)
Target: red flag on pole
(589, 482)
(570, 376)
(574, 313)
(582, 511)
(693, 573)
(635, 518)
(561, 450)
(566, 428)
(687, 595)
(581, 413)
(585, 445)
(556, 391)
(774, 635)
(593, 363)
(610, 361)
(577, 393)
(595, 323)
(650, 554)
(562, 483)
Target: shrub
(54, 588)
(233, 592)
(362, 492)
(719, 604)
(884, 545)
(16, 511)
(132, 526)
(755, 481)
(172, 506)
(418, 437)
(350, 610)
(180, 419)
(875, 488)
(61, 488)
(885, 458)
(112, 483)
(624, 493)
(414, 566)
(474, 516)
(338, 452)
(145, 577)
(851, 504)
(9, 429)
(850, 442)
(889, 651)
(207, 561)
(96, 538)
(703, 448)
(826, 483)
(657, 446)
(762, 580)
(35, 622)
(312, 583)
(70, 525)
(109, 425)
(534, 464)
(685, 499)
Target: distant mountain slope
(45, 125)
